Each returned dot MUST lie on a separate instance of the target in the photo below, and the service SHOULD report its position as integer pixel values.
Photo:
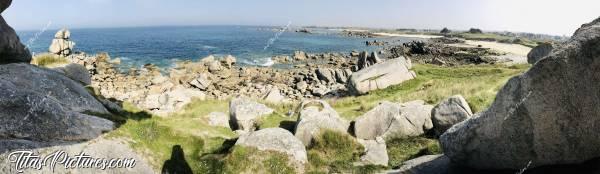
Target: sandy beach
(407, 35)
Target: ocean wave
(264, 62)
(208, 47)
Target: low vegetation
(208, 149)
(477, 83)
(49, 60)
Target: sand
(407, 35)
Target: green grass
(251, 160)
(49, 60)
(498, 38)
(400, 150)
(335, 152)
(208, 149)
(477, 83)
(154, 137)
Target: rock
(11, 49)
(437, 61)
(341, 76)
(300, 55)
(201, 82)
(229, 61)
(245, 113)
(301, 86)
(72, 95)
(180, 96)
(539, 52)
(381, 76)
(365, 60)
(274, 96)
(320, 91)
(449, 112)
(214, 66)
(275, 139)
(4, 5)
(42, 106)
(394, 120)
(61, 44)
(326, 74)
(428, 164)
(316, 115)
(475, 31)
(159, 80)
(76, 72)
(547, 116)
(375, 152)
(218, 119)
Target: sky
(556, 17)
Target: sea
(163, 46)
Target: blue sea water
(164, 45)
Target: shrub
(49, 60)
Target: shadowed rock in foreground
(547, 116)
(11, 49)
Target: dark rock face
(539, 52)
(547, 116)
(11, 49)
(4, 5)
(40, 107)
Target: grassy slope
(206, 148)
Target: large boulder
(11, 49)
(40, 106)
(275, 139)
(4, 5)
(62, 44)
(381, 76)
(246, 113)
(547, 116)
(449, 112)
(316, 115)
(52, 84)
(394, 120)
(539, 52)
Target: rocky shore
(542, 121)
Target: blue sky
(559, 17)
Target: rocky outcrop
(316, 115)
(11, 49)
(381, 76)
(276, 139)
(76, 72)
(394, 120)
(449, 112)
(40, 106)
(62, 44)
(365, 60)
(246, 113)
(300, 55)
(539, 52)
(546, 116)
